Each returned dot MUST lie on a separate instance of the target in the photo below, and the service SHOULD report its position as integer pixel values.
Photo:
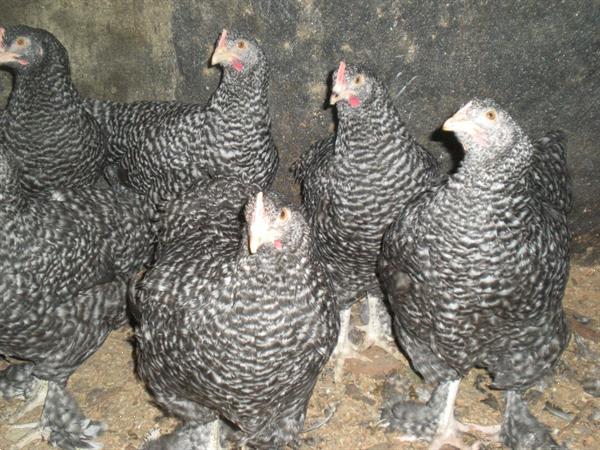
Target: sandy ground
(107, 389)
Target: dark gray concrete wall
(539, 59)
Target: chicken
(64, 266)
(164, 148)
(475, 271)
(234, 320)
(353, 186)
(53, 140)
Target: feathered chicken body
(126, 125)
(166, 147)
(54, 141)
(64, 263)
(548, 175)
(355, 184)
(476, 268)
(235, 322)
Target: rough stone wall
(539, 59)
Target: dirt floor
(108, 390)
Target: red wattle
(354, 101)
(237, 65)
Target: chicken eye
(284, 215)
(358, 79)
(241, 44)
(491, 114)
(20, 41)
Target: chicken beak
(460, 122)
(221, 53)
(258, 228)
(8, 57)
(344, 94)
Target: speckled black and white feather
(227, 333)
(356, 183)
(475, 269)
(64, 263)
(213, 203)
(55, 142)
(165, 147)
(548, 175)
(482, 264)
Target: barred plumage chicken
(164, 148)
(54, 141)
(235, 320)
(475, 271)
(353, 186)
(64, 265)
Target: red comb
(222, 38)
(341, 71)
